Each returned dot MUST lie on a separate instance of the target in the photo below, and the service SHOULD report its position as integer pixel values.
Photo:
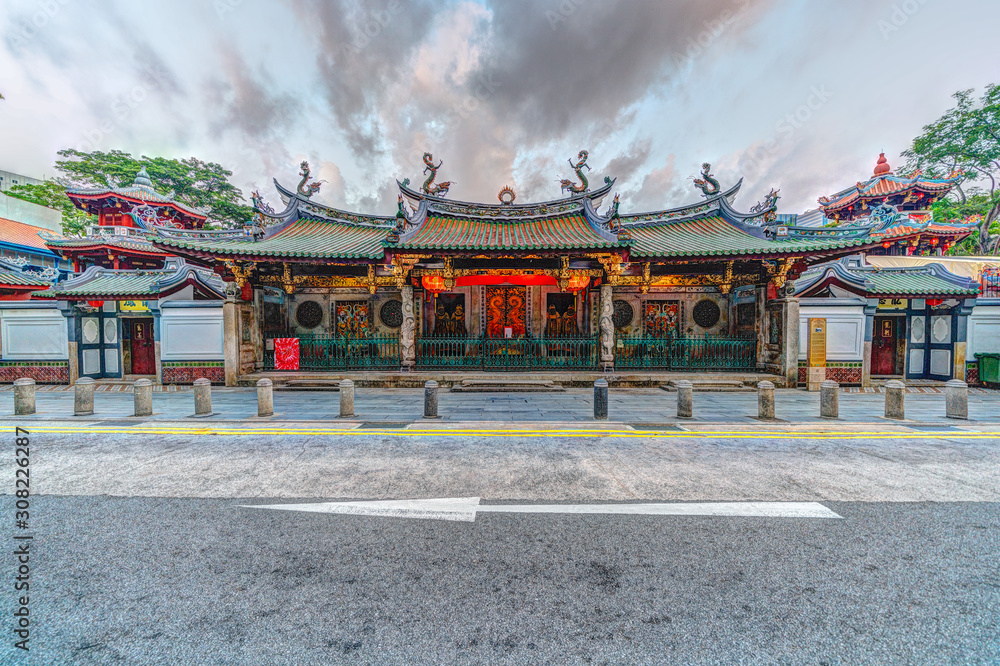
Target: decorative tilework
(972, 374)
(42, 372)
(186, 372)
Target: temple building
(885, 321)
(124, 216)
(570, 284)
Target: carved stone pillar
(407, 332)
(607, 328)
(231, 340)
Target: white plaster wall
(984, 330)
(34, 335)
(191, 334)
(845, 331)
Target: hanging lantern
(433, 283)
(96, 304)
(579, 282)
(887, 245)
(934, 241)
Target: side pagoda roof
(140, 192)
(886, 187)
(875, 282)
(109, 284)
(105, 240)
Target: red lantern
(934, 302)
(887, 245)
(95, 304)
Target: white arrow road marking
(466, 508)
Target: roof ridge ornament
(428, 187)
(708, 185)
(507, 195)
(769, 203)
(578, 168)
(312, 188)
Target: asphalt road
(143, 554)
(182, 581)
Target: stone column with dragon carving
(607, 328)
(407, 332)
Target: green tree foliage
(975, 203)
(199, 184)
(202, 185)
(967, 138)
(53, 194)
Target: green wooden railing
(328, 352)
(507, 354)
(687, 353)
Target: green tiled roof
(714, 236)
(127, 283)
(21, 279)
(94, 242)
(912, 281)
(301, 238)
(446, 233)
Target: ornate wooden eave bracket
(241, 272)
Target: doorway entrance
(505, 312)
(885, 343)
(141, 346)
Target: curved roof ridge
(681, 213)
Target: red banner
(286, 353)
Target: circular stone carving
(623, 314)
(706, 313)
(391, 314)
(309, 314)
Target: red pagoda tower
(124, 216)
(899, 207)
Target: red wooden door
(884, 346)
(143, 356)
(505, 308)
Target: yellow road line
(573, 433)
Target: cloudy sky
(799, 95)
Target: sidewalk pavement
(630, 406)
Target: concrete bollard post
(24, 396)
(895, 392)
(83, 402)
(430, 399)
(956, 399)
(346, 398)
(203, 397)
(601, 399)
(265, 397)
(685, 399)
(829, 399)
(142, 393)
(765, 400)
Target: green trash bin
(989, 369)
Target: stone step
(712, 385)
(309, 385)
(501, 385)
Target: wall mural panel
(353, 318)
(560, 320)
(449, 316)
(662, 319)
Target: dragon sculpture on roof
(569, 185)
(312, 188)
(707, 183)
(428, 187)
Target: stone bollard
(346, 399)
(601, 399)
(24, 396)
(895, 392)
(685, 399)
(142, 393)
(83, 404)
(829, 399)
(956, 399)
(430, 399)
(765, 400)
(203, 397)
(265, 397)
